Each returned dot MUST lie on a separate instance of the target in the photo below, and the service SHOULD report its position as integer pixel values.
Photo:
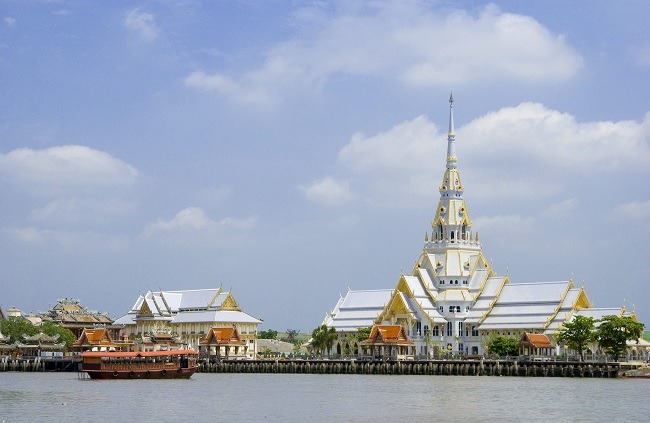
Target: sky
(292, 150)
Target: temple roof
(358, 309)
(537, 340)
(387, 335)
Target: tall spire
(451, 136)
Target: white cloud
(531, 131)
(406, 41)
(256, 94)
(142, 23)
(561, 210)
(524, 152)
(10, 22)
(328, 191)
(64, 211)
(71, 167)
(193, 220)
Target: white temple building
(189, 315)
(453, 299)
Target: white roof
(226, 316)
(528, 305)
(190, 306)
(358, 309)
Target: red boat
(174, 364)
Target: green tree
(268, 334)
(614, 332)
(323, 339)
(14, 328)
(291, 336)
(503, 346)
(363, 333)
(577, 333)
(65, 335)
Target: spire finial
(451, 136)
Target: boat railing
(136, 366)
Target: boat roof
(118, 354)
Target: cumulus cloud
(72, 167)
(69, 187)
(194, 220)
(405, 41)
(141, 23)
(556, 139)
(523, 152)
(328, 191)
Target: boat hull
(178, 373)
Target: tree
(614, 332)
(577, 333)
(323, 339)
(503, 346)
(268, 334)
(65, 335)
(291, 336)
(14, 328)
(363, 333)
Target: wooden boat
(174, 364)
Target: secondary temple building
(453, 299)
(197, 318)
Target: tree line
(14, 329)
(611, 333)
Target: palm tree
(323, 338)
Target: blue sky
(291, 150)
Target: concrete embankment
(428, 367)
(409, 367)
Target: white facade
(189, 315)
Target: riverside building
(189, 316)
(453, 300)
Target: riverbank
(475, 367)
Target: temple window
(442, 309)
(436, 331)
(450, 329)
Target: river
(207, 397)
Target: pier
(467, 367)
(39, 364)
(420, 367)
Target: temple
(452, 300)
(190, 316)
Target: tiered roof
(358, 309)
(197, 305)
